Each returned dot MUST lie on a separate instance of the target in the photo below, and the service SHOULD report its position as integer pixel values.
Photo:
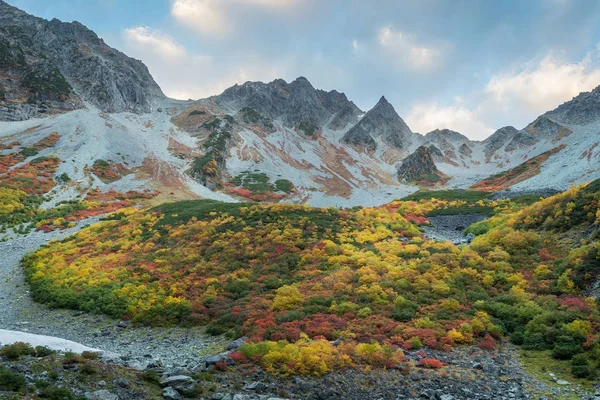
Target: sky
(468, 65)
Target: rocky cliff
(54, 66)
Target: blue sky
(467, 65)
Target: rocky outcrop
(447, 141)
(498, 140)
(77, 64)
(420, 167)
(581, 110)
(543, 127)
(297, 104)
(465, 150)
(520, 141)
(383, 122)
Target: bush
(43, 351)
(57, 393)
(432, 363)
(88, 369)
(580, 367)
(11, 381)
(90, 355)
(16, 350)
(565, 348)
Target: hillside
(284, 272)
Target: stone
(236, 343)
(562, 382)
(223, 357)
(121, 382)
(179, 382)
(258, 386)
(446, 397)
(102, 395)
(171, 394)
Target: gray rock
(236, 343)
(102, 395)
(257, 386)
(171, 394)
(121, 382)
(562, 382)
(179, 382)
(223, 357)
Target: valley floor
(471, 373)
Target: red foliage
(487, 343)
(238, 357)
(573, 303)
(432, 363)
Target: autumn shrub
(431, 363)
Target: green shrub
(57, 393)
(88, 369)
(16, 350)
(43, 351)
(11, 381)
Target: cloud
(514, 97)
(426, 117)
(545, 85)
(409, 50)
(183, 75)
(154, 40)
(203, 16)
(211, 17)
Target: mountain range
(260, 141)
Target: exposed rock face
(581, 110)
(544, 127)
(447, 141)
(298, 104)
(498, 139)
(419, 166)
(381, 121)
(71, 52)
(465, 150)
(520, 141)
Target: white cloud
(183, 75)
(406, 48)
(210, 17)
(151, 39)
(424, 118)
(545, 86)
(203, 16)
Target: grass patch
(449, 195)
(540, 364)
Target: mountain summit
(382, 122)
(56, 65)
(297, 104)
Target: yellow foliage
(287, 298)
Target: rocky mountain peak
(298, 104)
(420, 167)
(498, 139)
(583, 109)
(381, 121)
(93, 71)
(448, 135)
